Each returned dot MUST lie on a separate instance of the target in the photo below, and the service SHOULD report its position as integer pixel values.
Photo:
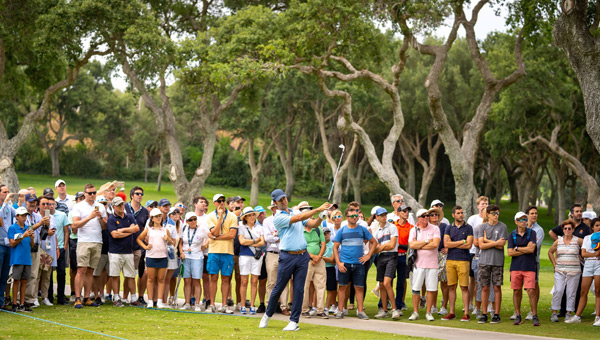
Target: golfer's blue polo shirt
(291, 236)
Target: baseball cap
(237, 198)
(21, 211)
(117, 201)
(155, 212)
(48, 192)
(519, 215)
(588, 214)
(163, 202)
(374, 210)
(304, 205)
(149, 203)
(326, 230)
(277, 194)
(273, 205)
(78, 194)
(189, 215)
(595, 241)
(59, 182)
(259, 209)
(122, 195)
(403, 207)
(101, 199)
(30, 197)
(381, 211)
(217, 196)
(421, 212)
(436, 202)
(173, 210)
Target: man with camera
(21, 238)
(7, 216)
(36, 221)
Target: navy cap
(163, 202)
(381, 211)
(30, 197)
(277, 194)
(78, 194)
(49, 191)
(237, 198)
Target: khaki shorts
(102, 264)
(137, 256)
(458, 272)
(118, 262)
(88, 254)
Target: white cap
(217, 196)
(421, 212)
(374, 209)
(155, 212)
(519, 215)
(589, 214)
(435, 202)
(101, 199)
(59, 182)
(21, 211)
(190, 215)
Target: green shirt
(313, 240)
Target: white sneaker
(238, 307)
(573, 319)
(429, 317)
(396, 314)
(568, 317)
(312, 312)
(325, 310)
(381, 314)
(491, 309)
(35, 304)
(160, 304)
(474, 312)
(597, 321)
(47, 302)
(529, 316)
(212, 309)
(345, 312)
(332, 309)
(443, 311)
(198, 308)
(514, 316)
(434, 310)
(72, 299)
(292, 326)
(228, 311)
(221, 309)
(375, 291)
(186, 306)
(264, 322)
(414, 316)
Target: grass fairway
(137, 323)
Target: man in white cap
(386, 235)
(62, 198)
(272, 258)
(223, 228)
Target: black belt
(401, 254)
(387, 254)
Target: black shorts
(386, 265)
(73, 253)
(331, 281)
(263, 269)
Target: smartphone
(97, 208)
(47, 213)
(120, 184)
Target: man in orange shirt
(403, 231)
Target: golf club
(336, 171)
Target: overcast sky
(486, 23)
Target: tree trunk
(256, 168)
(572, 34)
(55, 164)
(160, 172)
(145, 165)
(411, 179)
(561, 182)
(8, 175)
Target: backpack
(514, 236)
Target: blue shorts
(220, 263)
(192, 268)
(156, 262)
(354, 273)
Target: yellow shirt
(229, 222)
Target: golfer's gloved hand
(323, 215)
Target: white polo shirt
(91, 231)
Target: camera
(35, 248)
(44, 232)
(257, 254)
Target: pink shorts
(521, 279)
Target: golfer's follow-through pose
(293, 258)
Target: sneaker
(568, 317)
(554, 317)
(382, 314)
(292, 326)
(414, 316)
(491, 309)
(213, 309)
(443, 311)
(514, 316)
(186, 306)
(322, 315)
(252, 310)
(15, 308)
(229, 302)
(479, 314)
(72, 299)
(118, 303)
(150, 304)
(404, 308)
(429, 317)
(47, 302)
(35, 304)
(495, 318)
(305, 315)
(238, 307)
(536, 321)
(221, 309)
(78, 304)
(162, 305)
(597, 321)
(434, 310)
(26, 309)
(475, 311)
(313, 312)
(325, 310)
(345, 312)
(228, 311)
(91, 303)
(198, 308)
(518, 320)
(339, 315)
(362, 315)
(449, 317)
(243, 310)
(529, 316)
(375, 292)
(482, 319)
(466, 318)
(396, 314)
(108, 297)
(264, 322)
(574, 319)
(98, 301)
(261, 308)
(332, 309)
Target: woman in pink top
(156, 256)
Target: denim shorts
(192, 268)
(354, 273)
(220, 263)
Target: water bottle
(171, 252)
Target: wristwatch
(426, 241)
(214, 237)
(516, 248)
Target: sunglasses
(220, 201)
(337, 216)
(91, 193)
(569, 228)
(139, 193)
(424, 216)
(434, 214)
(192, 219)
(181, 206)
(353, 216)
(46, 204)
(495, 213)
(405, 210)
(439, 205)
(398, 201)
(522, 220)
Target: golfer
(293, 258)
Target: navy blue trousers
(290, 265)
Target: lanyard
(224, 218)
(190, 240)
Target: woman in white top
(591, 272)
(156, 256)
(193, 241)
(251, 240)
(174, 227)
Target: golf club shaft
(335, 176)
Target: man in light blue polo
(293, 257)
